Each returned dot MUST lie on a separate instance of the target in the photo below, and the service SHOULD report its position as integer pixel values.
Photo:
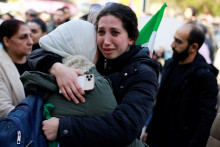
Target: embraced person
(15, 36)
(134, 80)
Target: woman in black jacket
(134, 79)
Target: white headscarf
(75, 37)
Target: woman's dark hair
(40, 22)
(196, 35)
(125, 14)
(9, 28)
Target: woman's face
(36, 32)
(112, 38)
(20, 44)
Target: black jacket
(193, 111)
(134, 81)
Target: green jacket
(99, 101)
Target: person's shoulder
(202, 67)
(1, 55)
(149, 65)
(209, 69)
(2, 52)
(146, 71)
(4, 57)
(206, 74)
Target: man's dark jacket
(193, 111)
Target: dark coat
(193, 111)
(134, 81)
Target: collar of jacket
(108, 66)
(136, 54)
(198, 63)
(124, 58)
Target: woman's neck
(17, 59)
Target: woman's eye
(115, 33)
(100, 32)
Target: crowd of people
(179, 99)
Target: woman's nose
(107, 40)
(30, 41)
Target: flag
(148, 33)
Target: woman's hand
(67, 81)
(50, 128)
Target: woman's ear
(6, 41)
(131, 42)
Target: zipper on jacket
(26, 109)
(16, 124)
(17, 128)
(105, 64)
(19, 137)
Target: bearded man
(187, 97)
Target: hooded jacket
(134, 79)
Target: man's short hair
(196, 35)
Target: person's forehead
(23, 29)
(184, 30)
(182, 34)
(33, 25)
(110, 19)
